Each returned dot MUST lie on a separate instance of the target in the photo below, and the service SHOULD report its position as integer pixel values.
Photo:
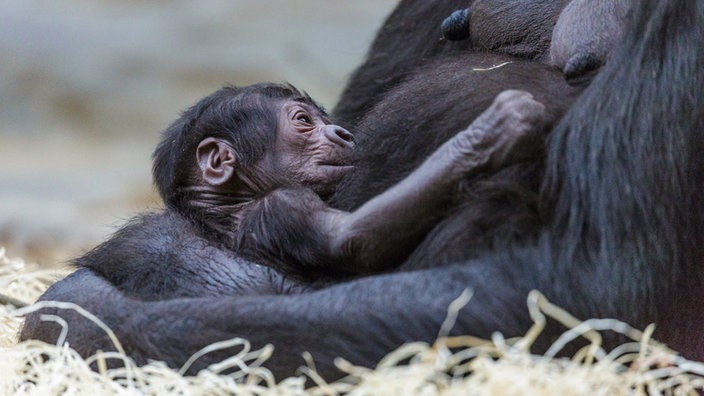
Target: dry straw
(451, 366)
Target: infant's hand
(496, 135)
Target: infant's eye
(305, 118)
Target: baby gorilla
(244, 174)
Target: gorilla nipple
(456, 26)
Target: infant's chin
(329, 177)
(342, 168)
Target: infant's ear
(216, 160)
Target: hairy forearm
(382, 232)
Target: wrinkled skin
(311, 150)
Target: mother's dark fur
(621, 236)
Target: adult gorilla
(622, 236)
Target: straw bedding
(451, 366)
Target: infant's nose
(339, 135)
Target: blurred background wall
(86, 86)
